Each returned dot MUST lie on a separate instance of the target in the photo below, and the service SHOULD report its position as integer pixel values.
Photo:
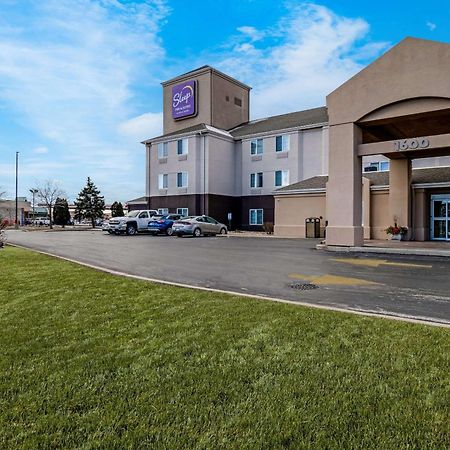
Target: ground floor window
(183, 211)
(163, 210)
(256, 216)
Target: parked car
(198, 225)
(131, 223)
(162, 223)
(41, 221)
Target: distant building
(8, 210)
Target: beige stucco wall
(203, 104)
(220, 163)
(212, 105)
(225, 113)
(291, 212)
(379, 214)
(414, 68)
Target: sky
(80, 79)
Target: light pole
(33, 193)
(17, 187)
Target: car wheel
(179, 235)
(154, 233)
(223, 231)
(197, 232)
(110, 232)
(131, 230)
(169, 231)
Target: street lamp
(17, 187)
(33, 193)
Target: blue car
(162, 223)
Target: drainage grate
(304, 286)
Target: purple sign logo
(183, 100)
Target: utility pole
(17, 188)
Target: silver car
(198, 225)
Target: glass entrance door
(440, 218)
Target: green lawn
(93, 360)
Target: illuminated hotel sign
(184, 100)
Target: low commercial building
(390, 123)
(8, 210)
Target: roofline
(268, 132)
(201, 70)
(208, 129)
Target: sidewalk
(427, 248)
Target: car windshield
(132, 214)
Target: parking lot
(290, 269)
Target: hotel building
(376, 154)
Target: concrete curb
(359, 312)
(386, 251)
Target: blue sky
(80, 79)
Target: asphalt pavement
(290, 269)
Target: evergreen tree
(61, 214)
(89, 203)
(117, 209)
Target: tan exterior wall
(225, 113)
(203, 104)
(291, 212)
(221, 166)
(379, 214)
(411, 69)
(213, 108)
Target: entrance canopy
(398, 106)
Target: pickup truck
(131, 223)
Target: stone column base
(345, 236)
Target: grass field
(93, 360)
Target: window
(183, 212)
(163, 181)
(256, 216)
(256, 180)
(162, 150)
(256, 147)
(163, 211)
(384, 166)
(381, 166)
(143, 215)
(282, 143)
(182, 179)
(182, 147)
(281, 178)
(237, 101)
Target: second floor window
(182, 147)
(282, 143)
(163, 181)
(281, 178)
(162, 150)
(182, 179)
(256, 180)
(256, 147)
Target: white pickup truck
(131, 223)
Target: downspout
(202, 135)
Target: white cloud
(251, 32)
(143, 127)
(312, 52)
(68, 72)
(40, 150)
(431, 26)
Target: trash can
(312, 227)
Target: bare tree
(48, 193)
(2, 193)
